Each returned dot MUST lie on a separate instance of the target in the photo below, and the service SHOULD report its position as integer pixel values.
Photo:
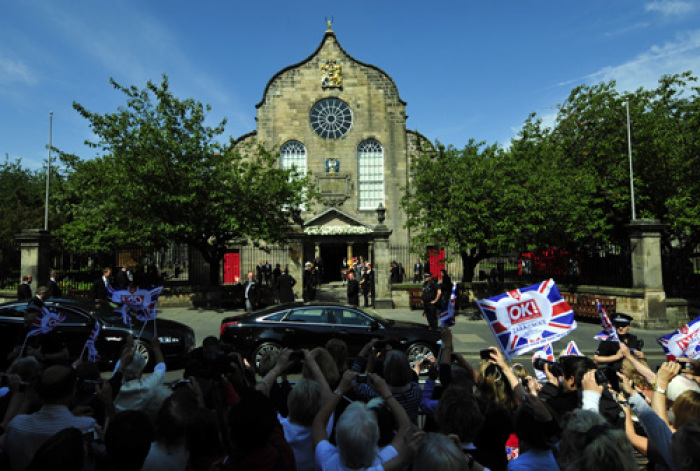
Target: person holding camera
(609, 353)
(564, 392)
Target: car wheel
(262, 349)
(142, 347)
(417, 352)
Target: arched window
(293, 154)
(370, 174)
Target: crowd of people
(364, 413)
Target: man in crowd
(353, 289)
(100, 288)
(26, 433)
(53, 286)
(252, 293)
(367, 284)
(24, 290)
(431, 299)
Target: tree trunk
(468, 266)
(469, 262)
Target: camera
(485, 354)
(296, 355)
(554, 367)
(600, 376)
(361, 379)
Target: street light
(629, 147)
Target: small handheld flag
(608, 332)
(572, 349)
(447, 318)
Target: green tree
(478, 201)
(163, 178)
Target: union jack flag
(572, 349)
(683, 343)
(448, 317)
(141, 302)
(45, 322)
(528, 318)
(547, 353)
(608, 332)
(93, 356)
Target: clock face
(331, 118)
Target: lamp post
(381, 213)
(629, 148)
(48, 173)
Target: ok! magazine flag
(684, 342)
(528, 318)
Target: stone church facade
(344, 122)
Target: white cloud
(646, 69)
(12, 71)
(670, 7)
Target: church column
(349, 251)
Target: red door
(436, 262)
(232, 267)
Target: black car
(176, 339)
(309, 325)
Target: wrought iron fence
(10, 263)
(681, 273)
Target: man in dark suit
(353, 289)
(259, 272)
(368, 285)
(54, 289)
(100, 288)
(124, 277)
(24, 290)
(285, 284)
(417, 271)
(252, 293)
(267, 272)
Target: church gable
(335, 222)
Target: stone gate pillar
(382, 259)
(35, 251)
(645, 240)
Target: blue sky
(467, 69)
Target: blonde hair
(327, 365)
(494, 387)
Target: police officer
(431, 298)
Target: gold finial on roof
(329, 24)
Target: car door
(74, 329)
(307, 327)
(354, 328)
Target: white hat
(307, 264)
(679, 385)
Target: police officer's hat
(622, 319)
(427, 274)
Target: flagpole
(629, 148)
(48, 173)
